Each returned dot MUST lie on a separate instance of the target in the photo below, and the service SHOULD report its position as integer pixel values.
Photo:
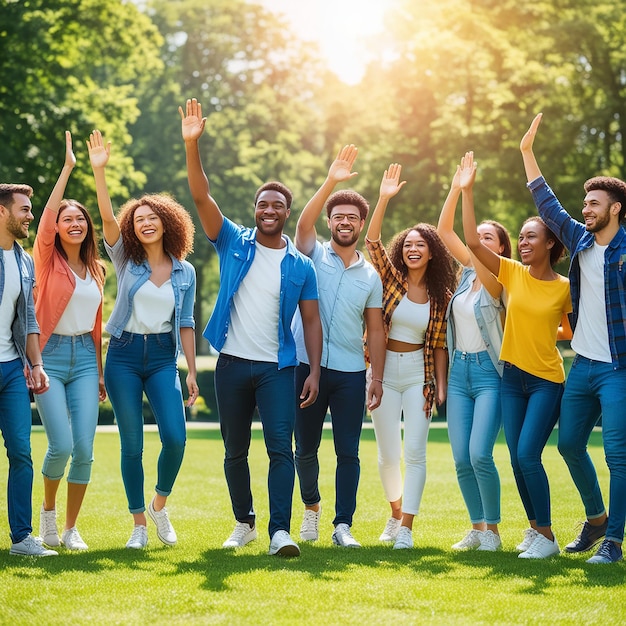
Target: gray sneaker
(309, 531)
(391, 530)
(404, 539)
(343, 537)
(241, 535)
(48, 527)
(29, 546)
(138, 539)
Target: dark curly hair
(441, 270)
(274, 185)
(178, 228)
(89, 254)
(614, 187)
(557, 250)
(349, 197)
(503, 237)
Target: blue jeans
(15, 423)
(344, 393)
(595, 388)
(137, 363)
(530, 409)
(69, 409)
(474, 420)
(240, 386)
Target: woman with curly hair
(68, 303)
(151, 321)
(418, 276)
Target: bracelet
(378, 380)
(34, 365)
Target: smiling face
(147, 225)
(533, 244)
(345, 225)
(488, 236)
(19, 216)
(271, 212)
(597, 210)
(72, 225)
(415, 251)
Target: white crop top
(410, 321)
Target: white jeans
(402, 395)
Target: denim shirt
(488, 313)
(576, 238)
(130, 277)
(235, 247)
(24, 323)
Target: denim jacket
(235, 247)
(130, 277)
(24, 323)
(488, 312)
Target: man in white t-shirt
(21, 367)
(596, 384)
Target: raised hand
(70, 159)
(98, 152)
(467, 171)
(526, 144)
(192, 120)
(341, 167)
(390, 184)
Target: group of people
(308, 327)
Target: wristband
(378, 380)
(34, 365)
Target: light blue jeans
(137, 363)
(474, 420)
(592, 388)
(69, 409)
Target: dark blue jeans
(15, 423)
(344, 393)
(240, 386)
(530, 409)
(592, 388)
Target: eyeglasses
(340, 217)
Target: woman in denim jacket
(474, 339)
(151, 321)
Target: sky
(338, 26)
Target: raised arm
(526, 146)
(489, 259)
(340, 170)
(209, 213)
(54, 201)
(445, 226)
(99, 157)
(389, 187)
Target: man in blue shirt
(350, 302)
(20, 357)
(263, 279)
(596, 384)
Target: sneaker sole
(581, 550)
(287, 551)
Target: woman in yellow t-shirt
(538, 300)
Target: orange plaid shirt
(394, 288)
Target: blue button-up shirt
(576, 238)
(235, 247)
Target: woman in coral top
(68, 304)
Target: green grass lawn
(197, 582)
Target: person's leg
(276, 401)
(15, 424)
(235, 394)
(347, 408)
(308, 435)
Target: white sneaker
(241, 535)
(404, 539)
(283, 545)
(310, 529)
(343, 537)
(541, 548)
(490, 542)
(72, 540)
(530, 535)
(165, 530)
(48, 527)
(29, 546)
(471, 541)
(391, 530)
(139, 538)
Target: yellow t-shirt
(533, 314)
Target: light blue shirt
(130, 277)
(345, 293)
(488, 312)
(24, 323)
(235, 247)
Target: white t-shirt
(468, 337)
(591, 336)
(254, 314)
(153, 309)
(10, 294)
(79, 316)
